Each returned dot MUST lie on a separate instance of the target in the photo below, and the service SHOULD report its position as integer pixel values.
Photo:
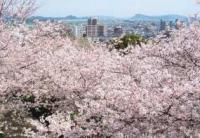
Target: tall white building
(78, 31)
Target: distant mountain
(41, 18)
(137, 17)
(172, 17)
(101, 17)
(69, 17)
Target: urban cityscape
(97, 30)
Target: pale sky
(117, 8)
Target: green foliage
(40, 111)
(28, 98)
(128, 40)
(2, 135)
(73, 115)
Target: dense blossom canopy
(64, 90)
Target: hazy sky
(118, 8)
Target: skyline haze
(116, 8)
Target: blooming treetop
(154, 91)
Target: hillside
(143, 17)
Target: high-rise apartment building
(93, 29)
(92, 21)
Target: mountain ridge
(168, 17)
(141, 17)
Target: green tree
(128, 40)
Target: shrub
(128, 40)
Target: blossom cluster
(68, 91)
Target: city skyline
(116, 8)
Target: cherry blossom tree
(69, 91)
(49, 87)
(17, 9)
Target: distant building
(101, 30)
(92, 21)
(109, 32)
(118, 31)
(171, 24)
(93, 29)
(78, 31)
(179, 24)
(162, 25)
(193, 18)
